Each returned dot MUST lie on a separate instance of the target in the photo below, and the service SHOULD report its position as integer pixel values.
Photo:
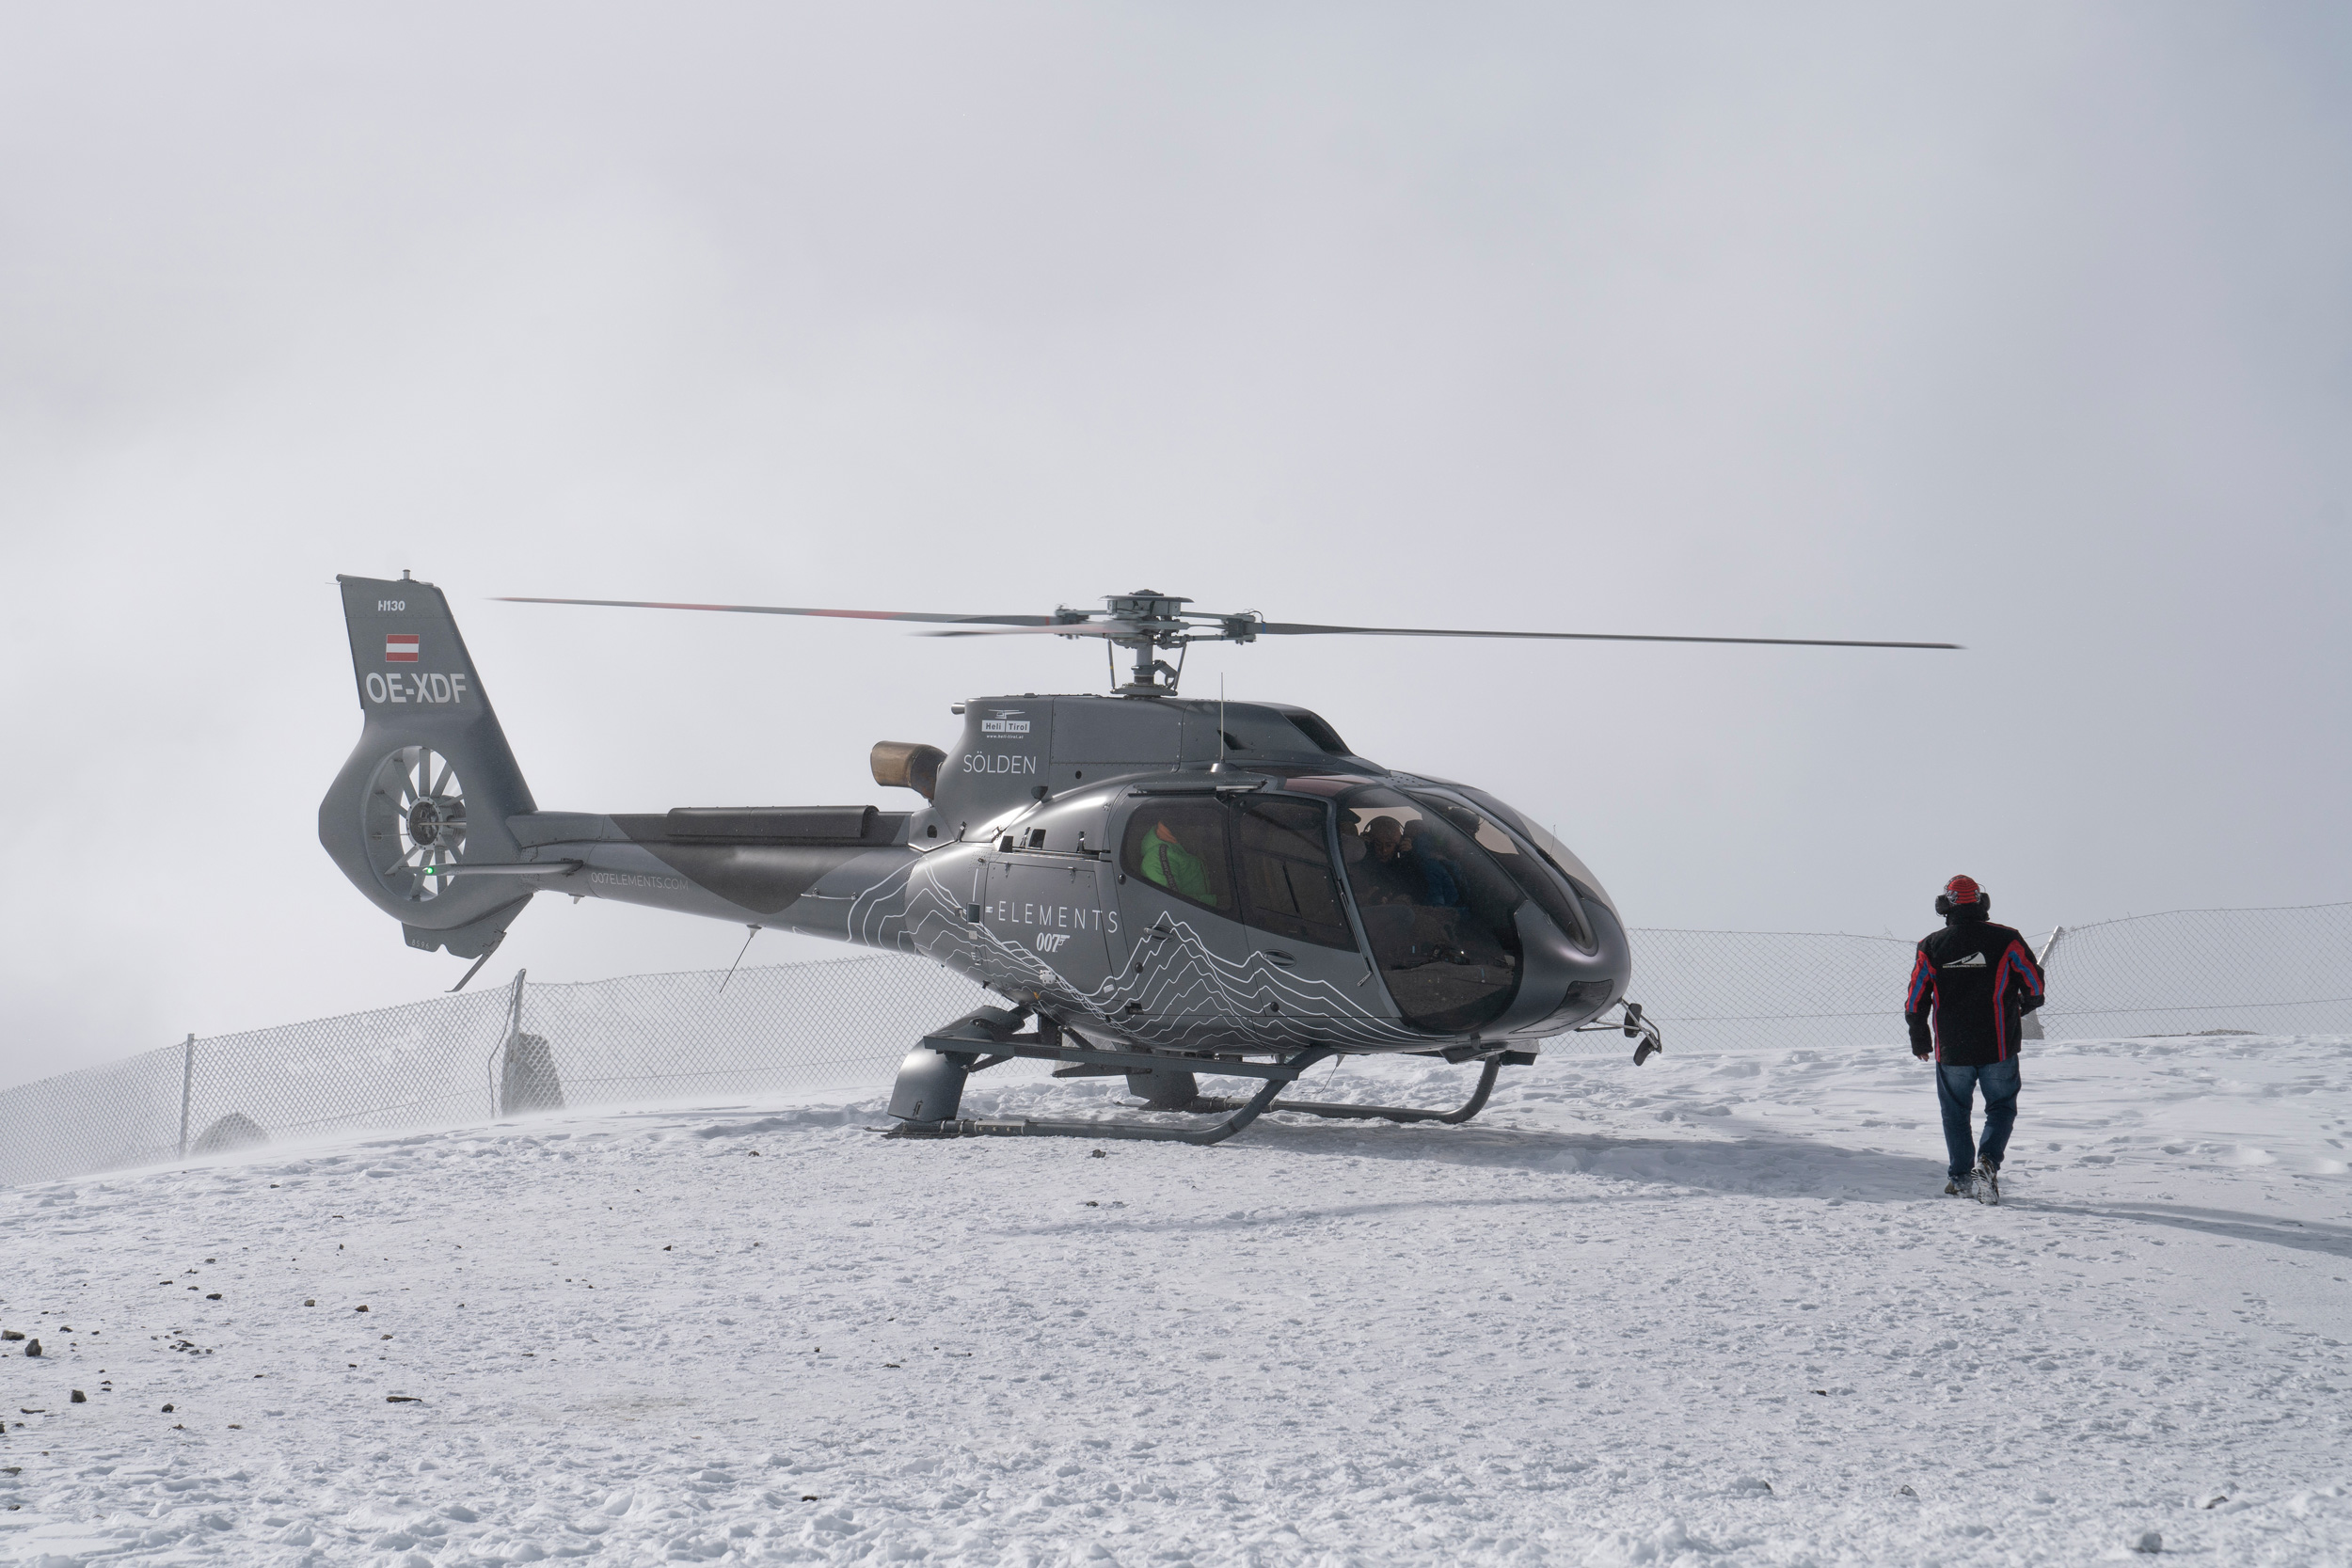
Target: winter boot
(1986, 1178)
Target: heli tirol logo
(1007, 721)
(400, 647)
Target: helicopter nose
(1561, 985)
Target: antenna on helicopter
(1148, 623)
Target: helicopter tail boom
(432, 782)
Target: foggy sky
(2020, 326)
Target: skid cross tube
(1017, 1127)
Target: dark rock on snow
(233, 1132)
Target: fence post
(187, 1081)
(2031, 1028)
(513, 1027)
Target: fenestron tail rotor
(1147, 623)
(416, 822)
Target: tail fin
(431, 781)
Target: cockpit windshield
(1564, 859)
(1536, 881)
(1437, 910)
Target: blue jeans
(1953, 1086)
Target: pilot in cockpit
(1386, 875)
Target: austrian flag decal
(400, 647)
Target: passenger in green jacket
(1175, 869)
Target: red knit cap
(1963, 889)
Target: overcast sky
(2022, 327)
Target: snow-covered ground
(1708, 1310)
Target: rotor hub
(1147, 622)
(426, 821)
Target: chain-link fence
(470, 1059)
(1718, 991)
(414, 1065)
(2259, 972)
(2280, 971)
(705, 1035)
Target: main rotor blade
(1047, 625)
(1294, 628)
(783, 610)
(1050, 628)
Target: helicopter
(1153, 886)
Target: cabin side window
(1180, 845)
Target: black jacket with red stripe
(1975, 981)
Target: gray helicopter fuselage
(1157, 872)
(1024, 874)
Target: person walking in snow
(1972, 984)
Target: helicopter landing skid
(1635, 1027)
(929, 1070)
(1241, 1113)
(930, 1088)
(1460, 1114)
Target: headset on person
(1962, 893)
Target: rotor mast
(1147, 622)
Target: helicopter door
(1045, 896)
(1179, 941)
(1440, 915)
(1303, 950)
